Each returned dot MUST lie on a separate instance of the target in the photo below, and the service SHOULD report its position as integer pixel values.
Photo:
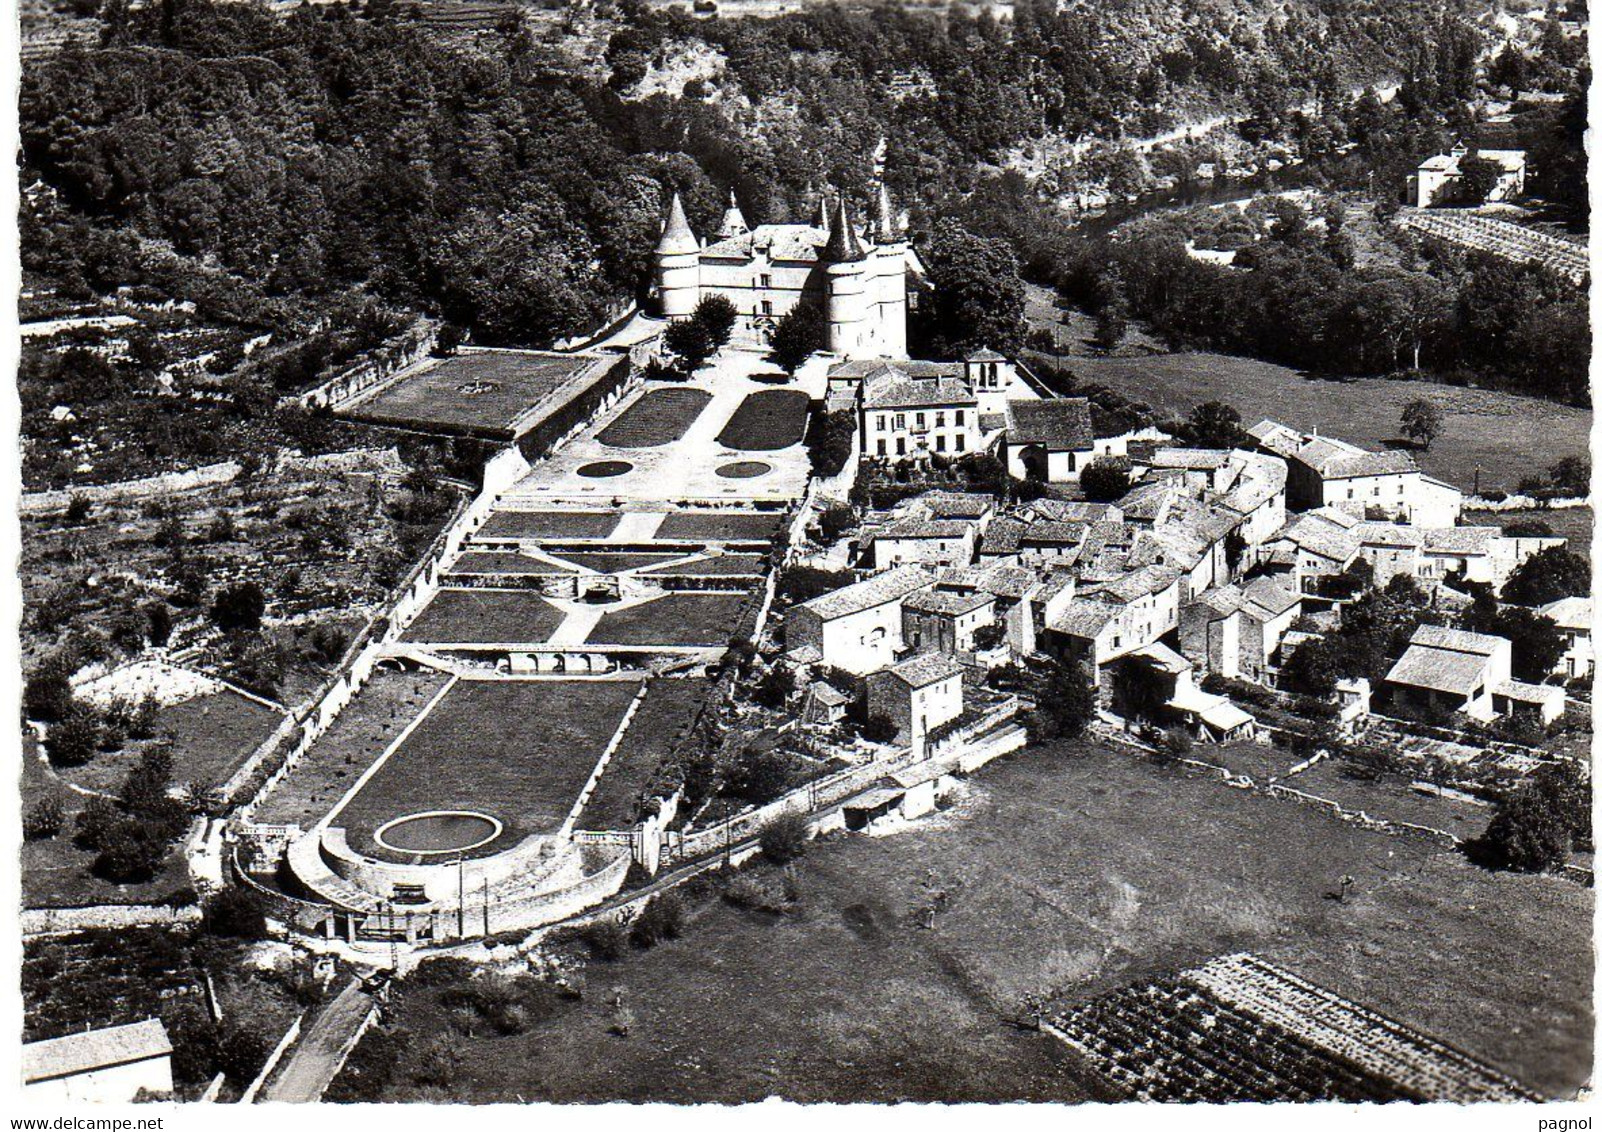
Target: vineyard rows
(1239, 1029)
(1500, 238)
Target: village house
(1323, 471)
(928, 542)
(1210, 469)
(1434, 554)
(1572, 616)
(114, 1065)
(1471, 673)
(918, 695)
(1439, 178)
(1047, 441)
(1311, 547)
(1258, 497)
(903, 414)
(945, 621)
(1235, 631)
(1168, 682)
(1106, 620)
(1013, 590)
(857, 627)
(1046, 542)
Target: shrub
(74, 740)
(42, 820)
(47, 694)
(606, 939)
(878, 728)
(77, 509)
(235, 913)
(785, 838)
(240, 1055)
(660, 920)
(239, 607)
(1104, 480)
(443, 971)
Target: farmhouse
(1469, 673)
(1235, 631)
(1108, 620)
(1048, 441)
(857, 627)
(906, 413)
(929, 542)
(115, 1065)
(1324, 471)
(945, 621)
(1439, 178)
(918, 695)
(1573, 618)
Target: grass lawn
(359, 734)
(1502, 436)
(1392, 798)
(659, 417)
(719, 566)
(1572, 523)
(767, 420)
(720, 526)
(517, 750)
(213, 735)
(1071, 869)
(549, 524)
(669, 706)
(506, 562)
(1260, 760)
(483, 617)
(690, 619)
(481, 393)
(611, 562)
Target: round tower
(890, 277)
(846, 306)
(677, 264)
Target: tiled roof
(1083, 619)
(955, 504)
(1388, 463)
(1073, 511)
(892, 585)
(860, 368)
(792, 242)
(1526, 693)
(894, 390)
(1443, 670)
(1205, 459)
(947, 602)
(926, 528)
(1047, 532)
(925, 669)
(1061, 424)
(1271, 595)
(94, 1049)
(1458, 640)
(1013, 582)
(1569, 612)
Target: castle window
(766, 281)
(940, 420)
(881, 447)
(920, 420)
(901, 420)
(940, 443)
(961, 442)
(959, 418)
(767, 307)
(880, 419)
(901, 446)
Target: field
(1392, 798)
(481, 394)
(1502, 437)
(485, 617)
(1072, 870)
(211, 735)
(669, 706)
(719, 566)
(660, 417)
(767, 420)
(549, 524)
(689, 619)
(1572, 523)
(358, 735)
(611, 562)
(517, 750)
(720, 526)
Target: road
(315, 1060)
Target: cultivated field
(485, 617)
(720, 526)
(767, 420)
(719, 566)
(669, 706)
(660, 417)
(482, 562)
(549, 524)
(359, 734)
(1501, 436)
(517, 750)
(477, 393)
(1070, 869)
(698, 620)
(611, 562)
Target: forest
(280, 160)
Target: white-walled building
(1439, 178)
(918, 695)
(1325, 472)
(1573, 618)
(1236, 630)
(906, 413)
(1470, 673)
(1048, 441)
(926, 542)
(857, 627)
(110, 1066)
(945, 620)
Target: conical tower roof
(733, 220)
(885, 228)
(676, 235)
(822, 216)
(844, 245)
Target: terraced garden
(660, 417)
(720, 526)
(485, 617)
(766, 421)
(549, 524)
(689, 620)
(517, 750)
(668, 709)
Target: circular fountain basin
(744, 470)
(438, 831)
(604, 469)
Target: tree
(785, 838)
(800, 333)
(47, 693)
(1421, 422)
(1312, 669)
(689, 341)
(1213, 424)
(74, 740)
(1528, 833)
(977, 293)
(449, 340)
(661, 919)
(1112, 309)
(42, 820)
(1548, 575)
(1571, 475)
(717, 315)
(1478, 177)
(759, 776)
(235, 913)
(239, 607)
(1104, 480)
(775, 687)
(1065, 702)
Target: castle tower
(889, 274)
(733, 220)
(845, 262)
(677, 264)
